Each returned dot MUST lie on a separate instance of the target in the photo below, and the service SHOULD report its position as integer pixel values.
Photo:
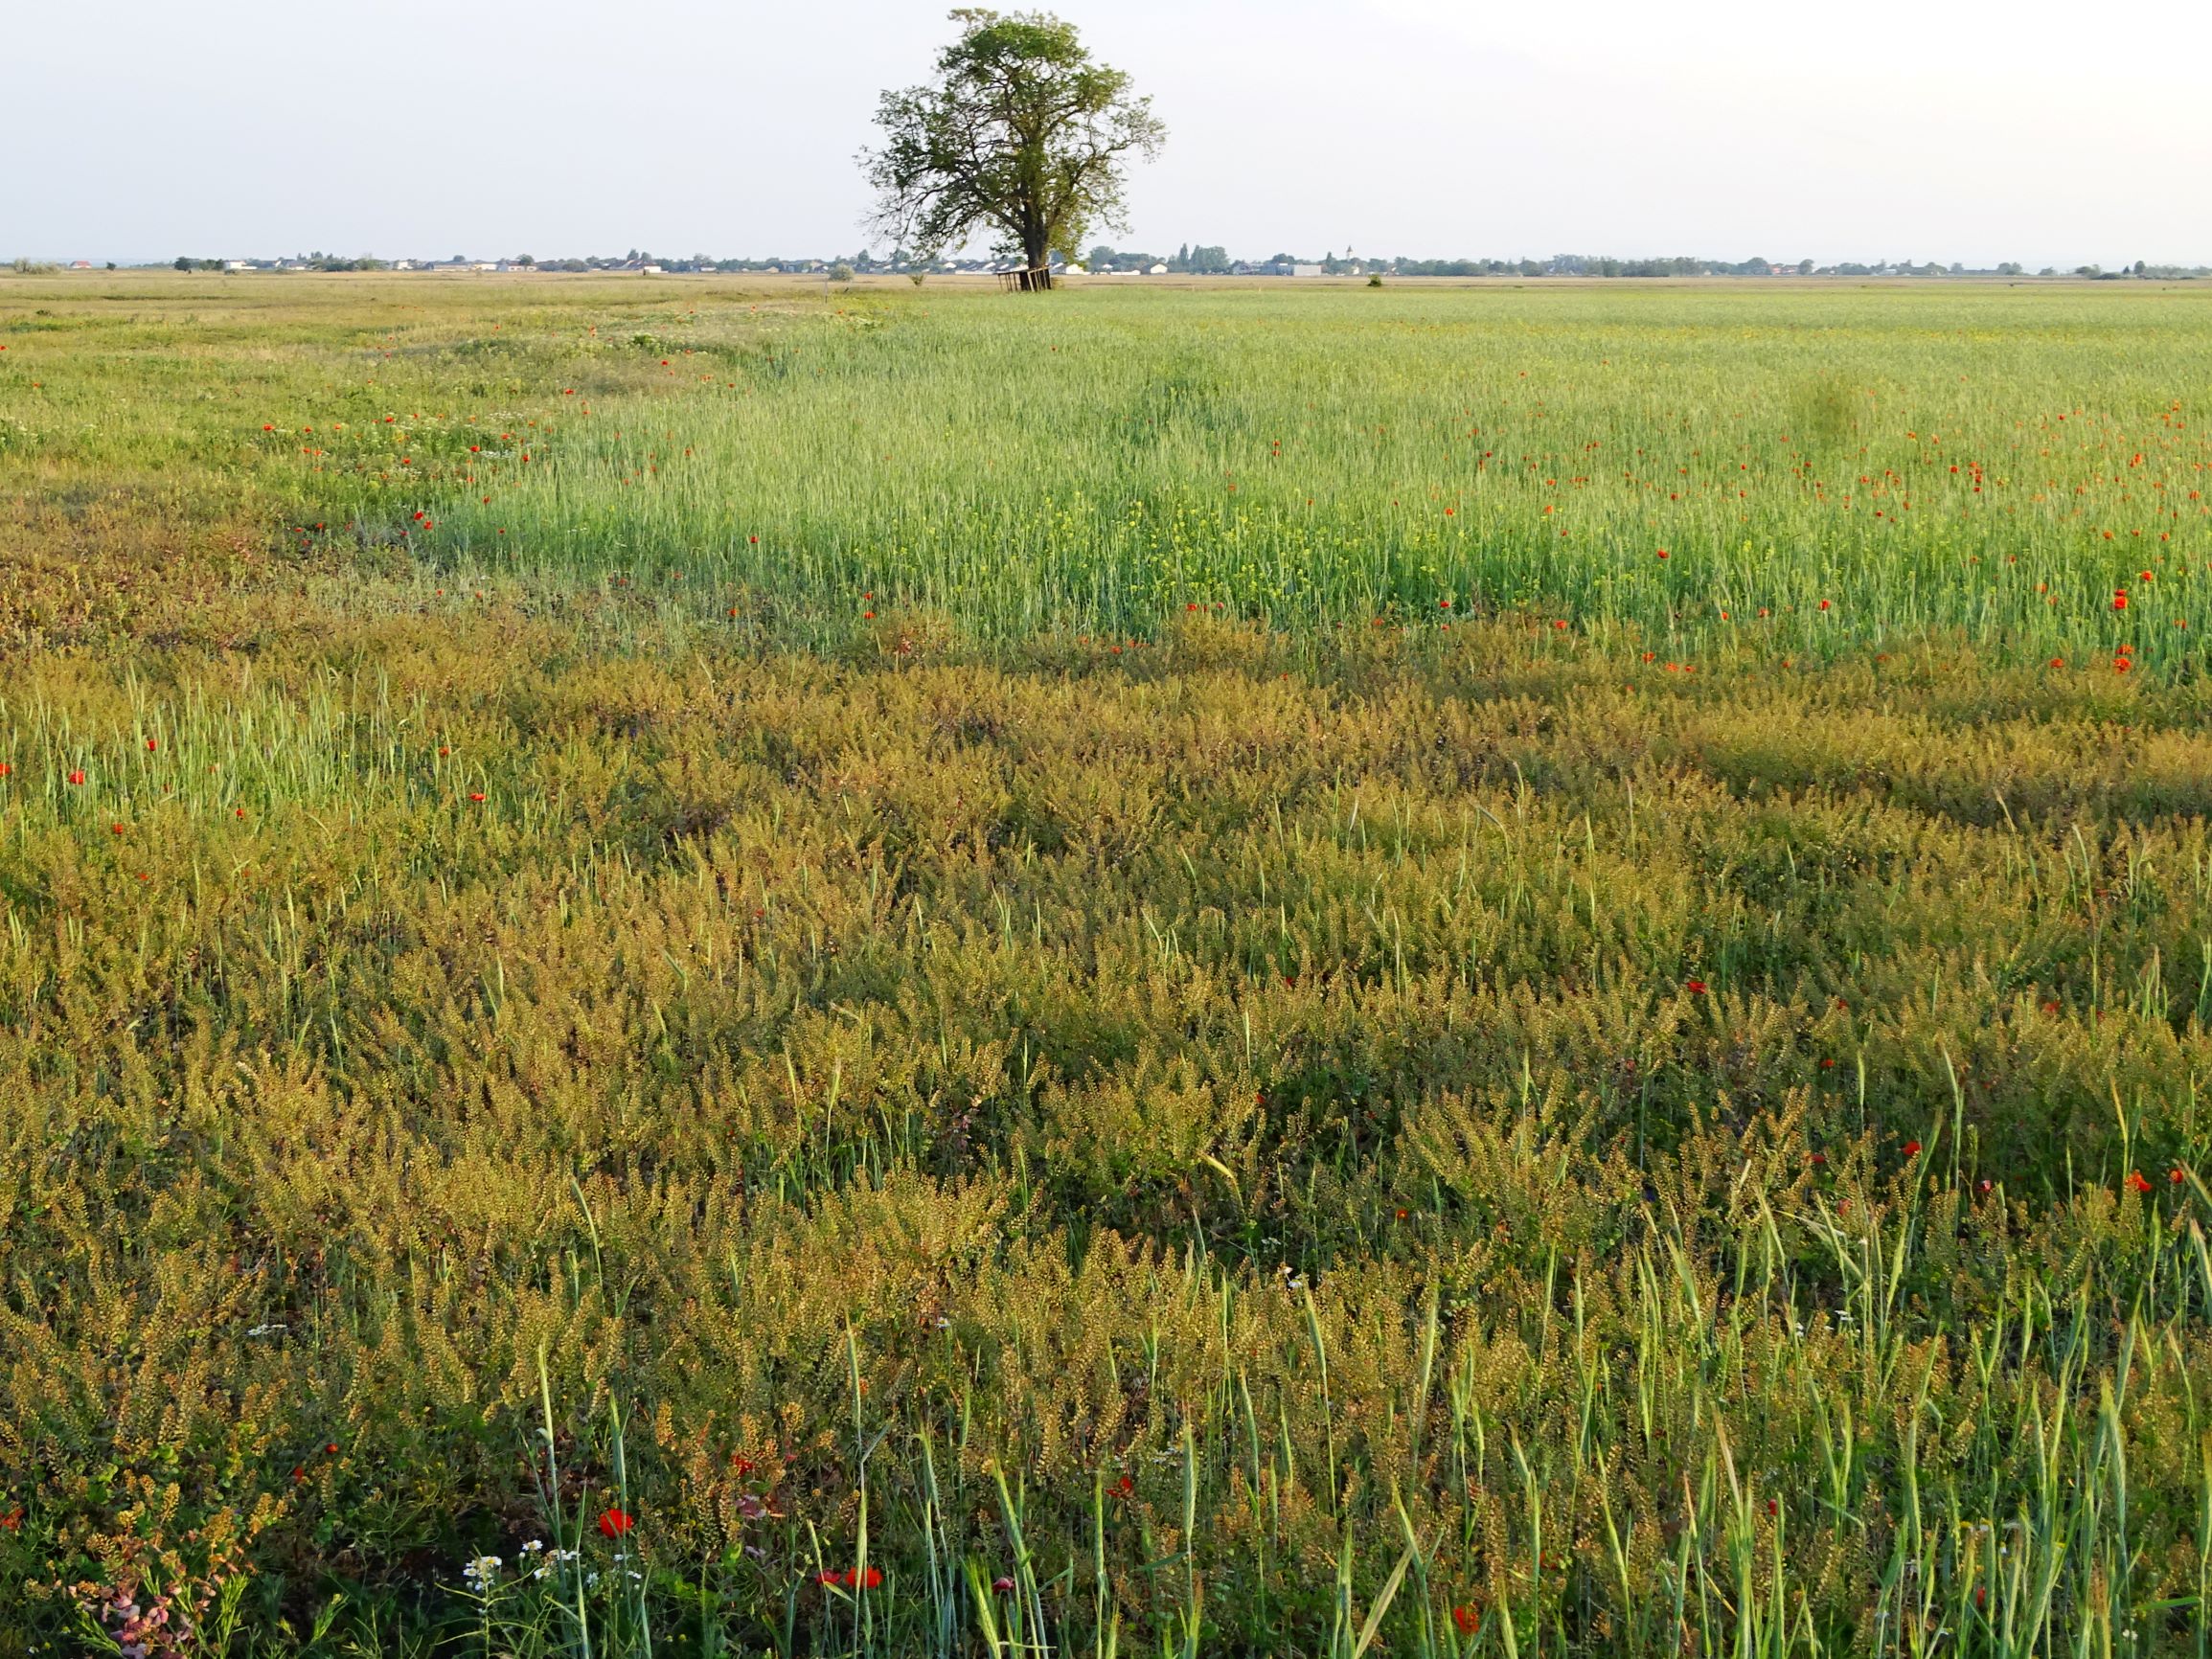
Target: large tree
(1020, 133)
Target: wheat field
(1059, 1057)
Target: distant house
(650, 270)
(238, 264)
(1307, 271)
(80, 265)
(1155, 270)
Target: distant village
(1189, 259)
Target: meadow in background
(900, 1089)
(1708, 468)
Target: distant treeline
(1605, 265)
(1210, 259)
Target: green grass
(1218, 1134)
(1822, 471)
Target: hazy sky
(1976, 130)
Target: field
(711, 969)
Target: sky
(1955, 130)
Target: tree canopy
(1021, 133)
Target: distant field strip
(1809, 469)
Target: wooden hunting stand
(1034, 280)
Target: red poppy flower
(1823, 604)
(2120, 599)
(476, 795)
(1912, 1149)
(152, 744)
(5, 768)
(2121, 664)
(1662, 553)
(614, 1522)
(115, 829)
(872, 1578)
(77, 777)
(2137, 1180)
(2175, 1176)
(1002, 1583)
(1466, 1619)
(1696, 988)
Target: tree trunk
(1037, 257)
